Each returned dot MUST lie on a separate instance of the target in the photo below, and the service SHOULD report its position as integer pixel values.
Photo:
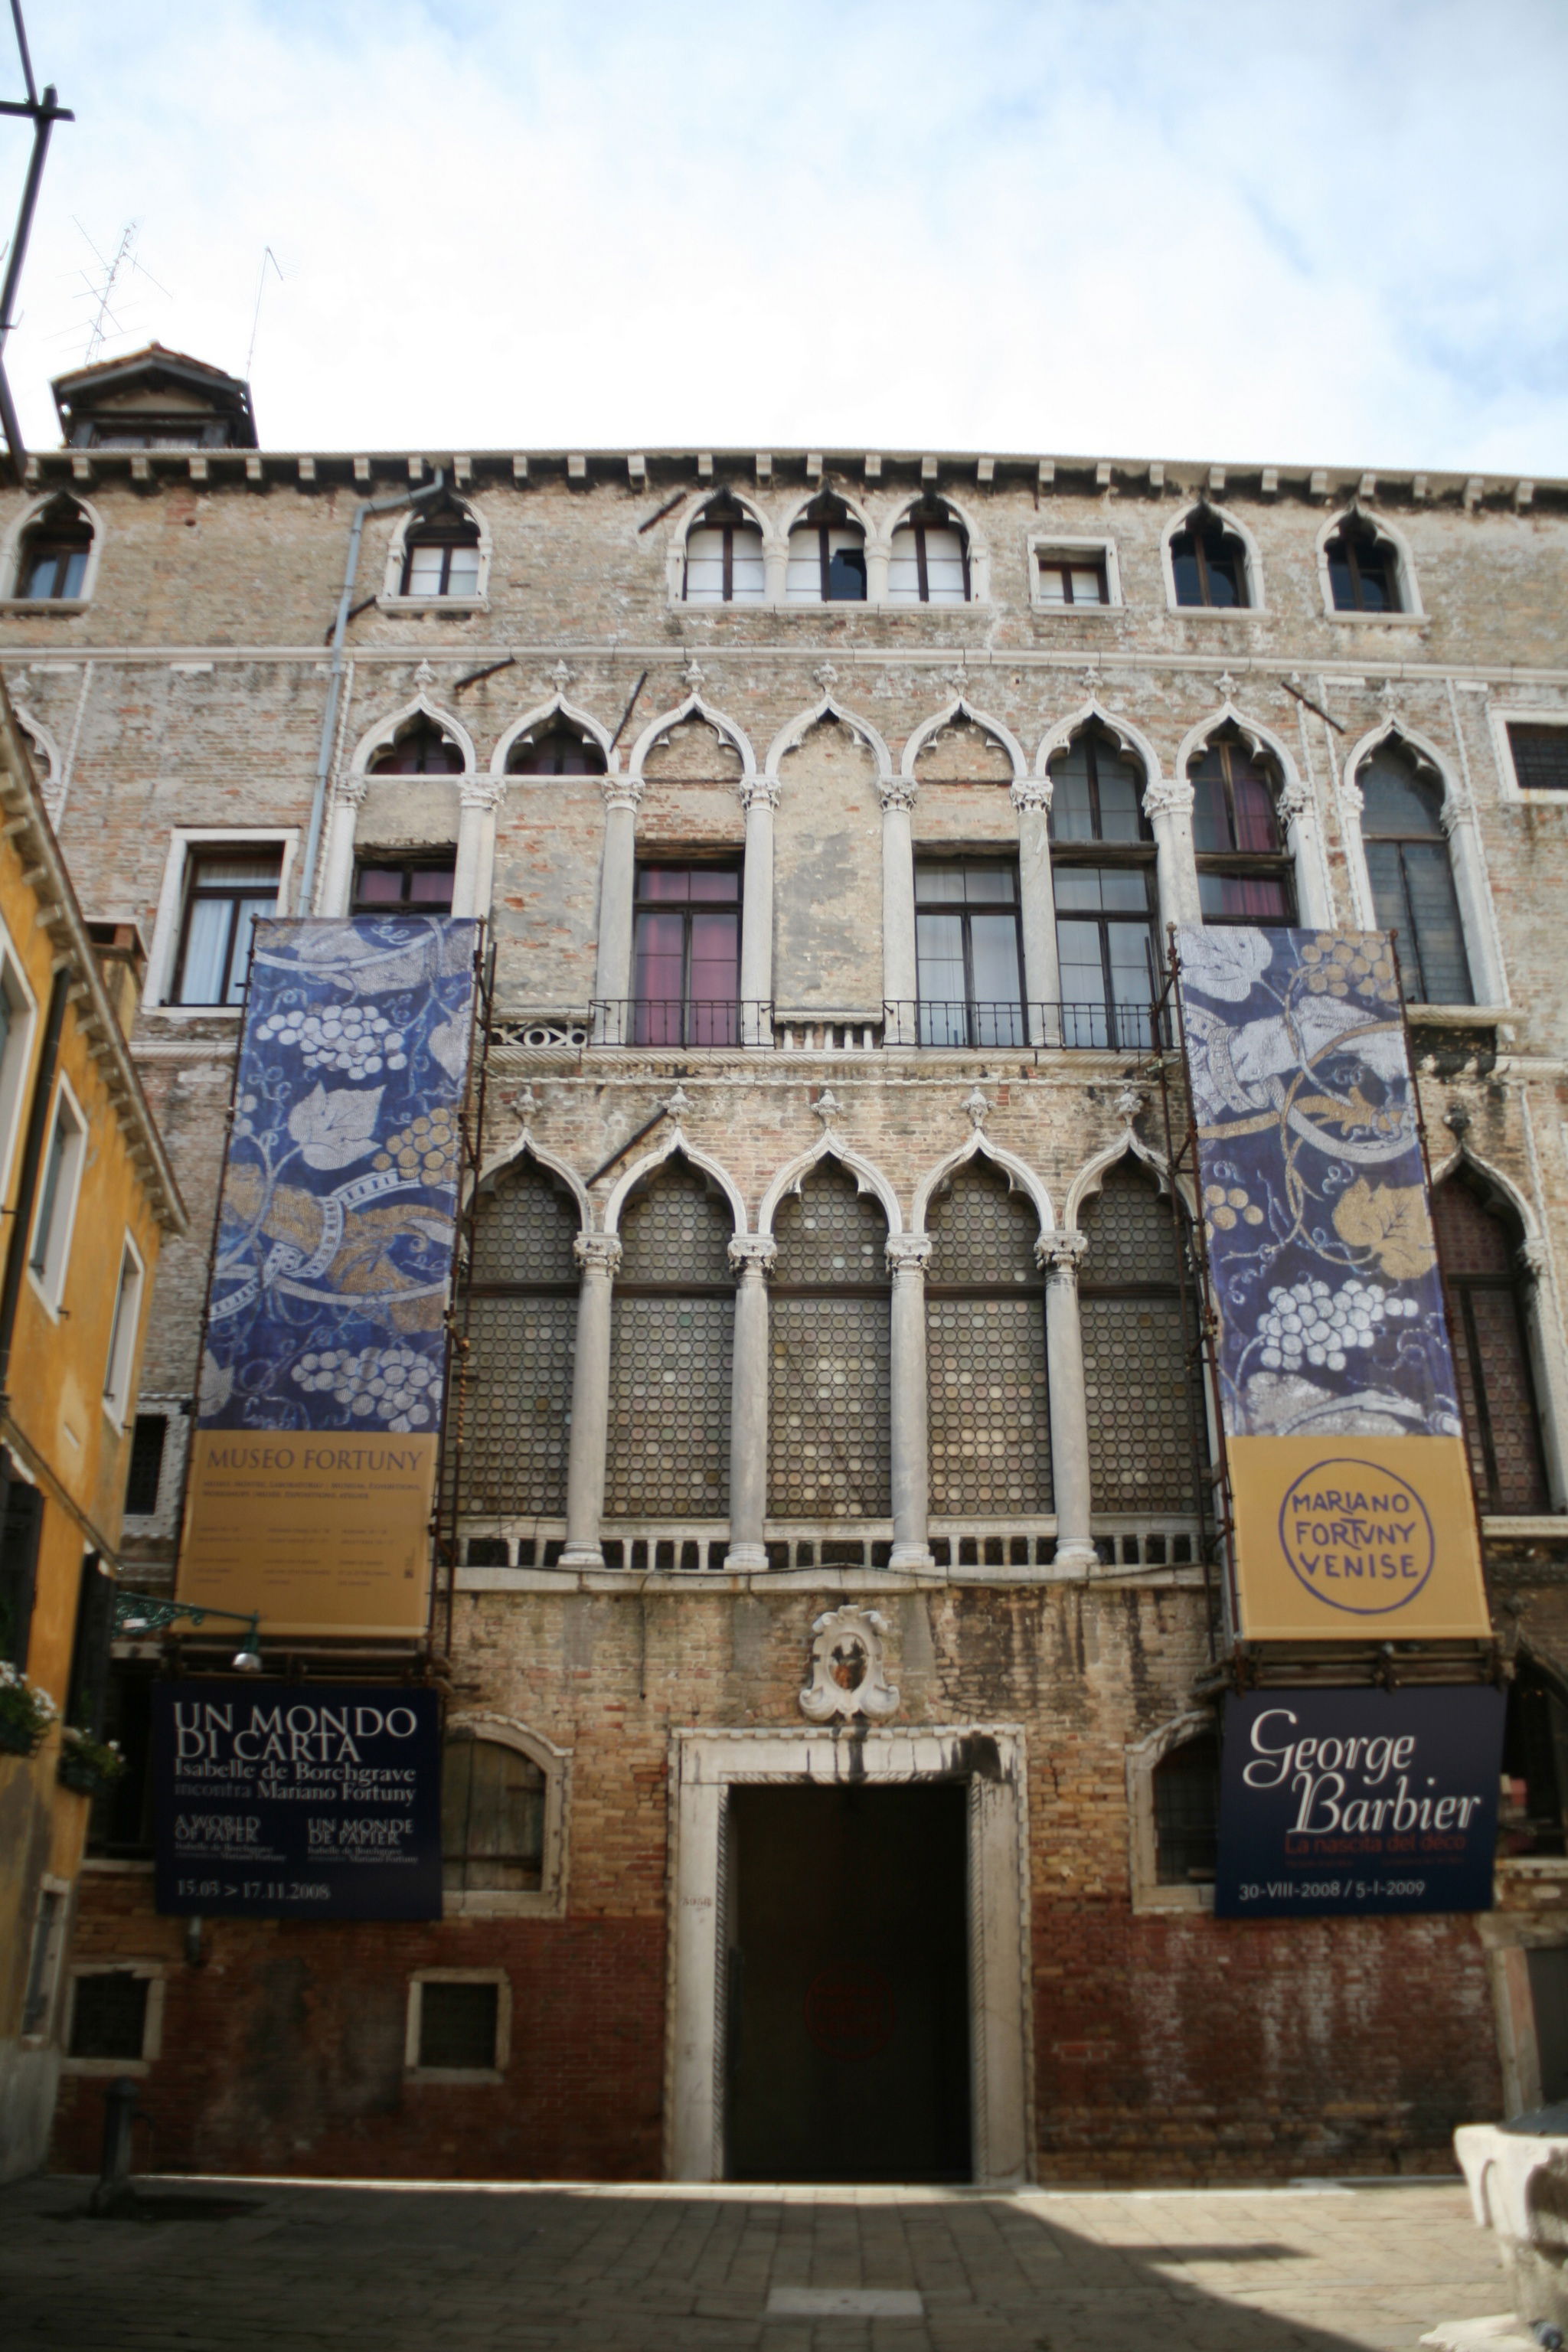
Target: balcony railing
(682, 1023)
(1115, 1028)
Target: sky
(1270, 230)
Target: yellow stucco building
(88, 1197)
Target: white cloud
(1134, 226)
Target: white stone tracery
(1458, 819)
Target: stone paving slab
(268, 2265)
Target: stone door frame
(990, 1758)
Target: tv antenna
(267, 255)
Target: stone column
(909, 1255)
(598, 1254)
(1031, 798)
(776, 569)
(900, 972)
(1059, 1255)
(752, 1254)
(879, 555)
(1169, 808)
(758, 798)
(1303, 838)
(617, 870)
(334, 885)
(478, 805)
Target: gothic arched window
(1102, 875)
(522, 1326)
(556, 749)
(672, 1336)
(989, 1422)
(830, 1384)
(1208, 562)
(1245, 875)
(725, 561)
(1145, 1400)
(441, 554)
(1364, 569)
(1412, 876)
(52, 561)
(1478, 1251)
(826, 555)
(419, 748)
(930, 559)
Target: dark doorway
(848, 2054)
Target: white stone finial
(693, 677)
(523, 1106)
(678, 1104)
(978, 1106)
(828, 1106)
(826, 675)
(424, 678)
(1090, 677)
(562, 676)
(1128, 1101)
(1226, 685)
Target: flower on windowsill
(87, 1765)
(25, 1713)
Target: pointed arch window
(1102, 874)
(672, 1339)
(725, 561)
(441, 555)
(1364, 569)
(1412, 876)
(516, 1374)
(52, 561)
(1208, 564)
(829, 1391)
(1245, 872)
(557, 749)
(1478, 1242)
(826, 555)
(1145, 1407)
(929, 560)
(420, 748)
(988, 1418)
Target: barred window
(516, 1398)
(1413, 877)
(1478, 1247)
(1144, 1397)
(1540, 756)
(671, 1342)
(989, 1425)
(829, 1389)
(1186, 1812)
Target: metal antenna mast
(43, 113)
(102, 319)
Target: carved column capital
(1033, 793)
(907, 1254)
(899, 791)
(759, 792)
(1168, 799)
(597, 1253)
(352, 788)
(1058, 1255)
(754, 1256)
(482, 792)
(1295, 802)
(622, 792)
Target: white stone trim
(1068, 544)
(704, 1765)
(792, 736)
(49, 1287)
(548, 1900)
(526, 1145)
(1090, 1178)
(1142, 1850)
(164, 950)
(413, 2072)
(383, 734)
(1133, 741)
(43, 744)
(831, 1145)
(1252, 561)
(54, 1955)
(775, 549)
(1410, 605)
(392, 598)
(978, 550)
(16, 1062)
(1457, 817)
(1501, 718)
(962, 707)
(694, 707)
(11, 554)
(557, 706)
(156, 1973)
(1296, 805)
(675, 1143)
(1544, 1320)
(977, 1144)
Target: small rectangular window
(55, 1212)
(404, 886)
(225, 893)
(109, 2014)
(1067, 580)
(145, 1476)
(122, 1335)
(458, 2026)
(1540, 757)
(19, 1533)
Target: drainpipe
(335, 688)
(32, 1158)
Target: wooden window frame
(1198, 533)
(1247, 864)
(406, 863)
(971, 1003)
(196, 891)
(1348, 538)
(916, 521)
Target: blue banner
(303, 1800)
(1346, 1802)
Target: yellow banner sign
(1366, 1537)
(321, 1533)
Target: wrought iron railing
(1116, 1028)
(679, 1022)
(685, 1024)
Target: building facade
(89, 1198)
(826, 1600)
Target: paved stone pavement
(234, 2265)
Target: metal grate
(669, 1409)
(518, 1405)
(523, 1231)
(830, 1378)
(1186, 1812)
(677, 1231)
(460, 2025)
(989, 1420)
(1140, 1389)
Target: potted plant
(87, 1765)
(26, 1712)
